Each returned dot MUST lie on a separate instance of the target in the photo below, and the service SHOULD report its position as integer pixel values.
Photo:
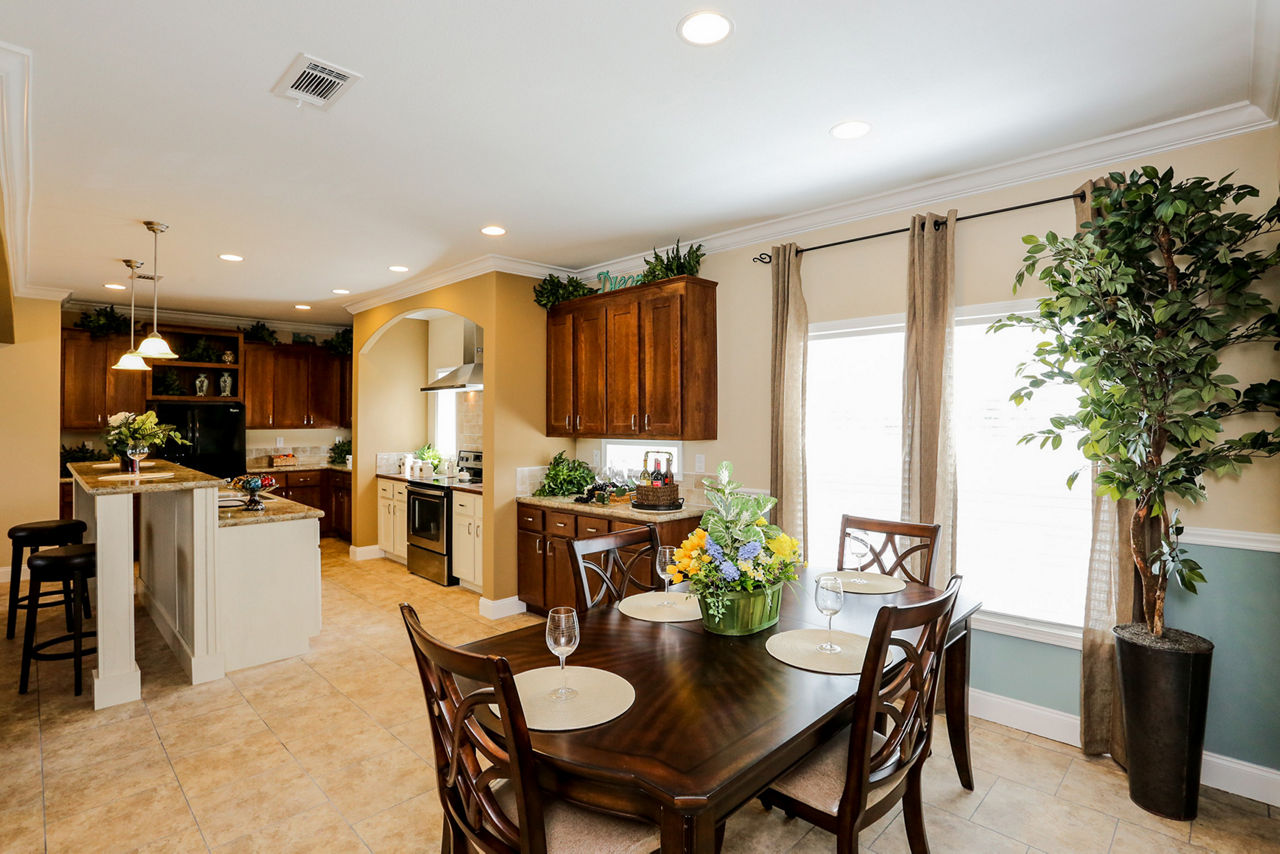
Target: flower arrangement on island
(129, 428)
(734, 548)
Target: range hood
(469, 376)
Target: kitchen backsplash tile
(529, 478)
(311, 455)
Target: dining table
(716, 718)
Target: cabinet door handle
(539, 545)
(578, 425)
(633, 421)
(646, 421)
(468, 529)
(566, 422)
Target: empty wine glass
(859, 549)
(137, 453)
(562, 639)
(665, 566)
(829, 597)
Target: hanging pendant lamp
(131, 361)
(153, 346)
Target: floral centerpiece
(736, 561)
(137, 430)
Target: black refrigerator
(215, 431)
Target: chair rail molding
(1255, 541)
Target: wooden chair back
(601, 575)
(892, 548)
(903, 701)
(470, 759)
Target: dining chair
(601, 575)
(855, 778)
(888, 547)
(485, 772)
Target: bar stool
(72, 565)
(35, 536)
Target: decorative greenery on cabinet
(103, 321)
(672, 264)
(552, 290)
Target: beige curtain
(928, 449)
(1108, 600)
(790, 349)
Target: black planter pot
(1164, 685)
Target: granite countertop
(615, 511)
(301, 467)
(104, 481)
(451, 482)
(277, 510)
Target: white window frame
(1026, 628)
(446, 405)
(649, 445)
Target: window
(446, 431)
(1022, 538)
(628, 455)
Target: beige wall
(514, 412)
(30, 380)
(868, 279)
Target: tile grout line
(176, 778)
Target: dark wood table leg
(956, 662)
(690, 834)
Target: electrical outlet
(279, 441)
(595, 459)
(700, 462)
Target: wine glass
(562, 639)
(137, 453)
(665, 566)
(858, 548)
(829, 597)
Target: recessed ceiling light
(850, 130)
(396, 268)
(227, 256)
(116, 286)
(493, 230)
(341, 291)
(704, 28)
(301, 307)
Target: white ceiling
(587, 129)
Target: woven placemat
(868, 582)
(799, 648)
(144, 464)
(602, 696)
(648, 606)
(146, 475)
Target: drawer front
(400, 491)
(528, 518)
(561, 524)
(340, 479)
(623, 524)
(592, 526)
(305, 478)
(384, 488)
(464, 504)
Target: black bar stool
(72, 565)
(35, 536)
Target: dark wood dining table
(716, 719)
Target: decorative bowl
(251, 485)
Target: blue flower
(713, 548)
(748, 551)
(729, 571)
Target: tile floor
(330, 751)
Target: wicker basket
(658, 496)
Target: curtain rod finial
(763, 258)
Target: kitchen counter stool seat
(35, 536)
(73, 566)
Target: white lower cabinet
(393, 514)
(467, 547)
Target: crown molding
(216, 321)
(1264, 78)
(39, 292)
(457, 273)
(15, 161)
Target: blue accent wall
(1238, 609)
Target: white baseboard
(1221, 772)
(365, 552)
(496, 609)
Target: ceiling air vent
(313, 81)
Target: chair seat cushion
(577, 830)
(819, 780)
(48, 532)
(65, 560)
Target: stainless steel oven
(428, 510)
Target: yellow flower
(676, 578)
(679, 553)
(745, 566)
(694, 570)
(782, 545)
(760, 523)
(706, 558)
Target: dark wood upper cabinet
(126, 390)
(346, 393)
(560, 379)
(259, 386)
(655, 358)
(324, 389)
(291, 380)
(84, 381)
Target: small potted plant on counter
(131, 436)
(566, 477)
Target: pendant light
(153, 346)
(131, 361)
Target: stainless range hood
(469, 376)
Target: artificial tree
(1142, 305)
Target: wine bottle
(645, 476)
(667, 478)
(657, 473)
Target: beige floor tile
(1106, 789)
(416, 735)
(190, 841)
(751, 830)
(392, 702)
(948, 834)
(1017, 760)
(67, 749)
(992, 726)
(20, 784)
(23, 828)
(1229, 830)
(317, 831)
(182, 700)
(290, 685)
(368, 787)
(1131, 839)
(408, 828)
(942, 787)
(123, 824)
(213, 767)
(210, 729)
(252, 803)
(304, 719)
(80, 787)
(330, 749)
(1035, 818)
(63, 714)
(819, 841)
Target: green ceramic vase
(745, 613)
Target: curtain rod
(766, 258)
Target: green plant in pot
(1143, 304)
(566, 477)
